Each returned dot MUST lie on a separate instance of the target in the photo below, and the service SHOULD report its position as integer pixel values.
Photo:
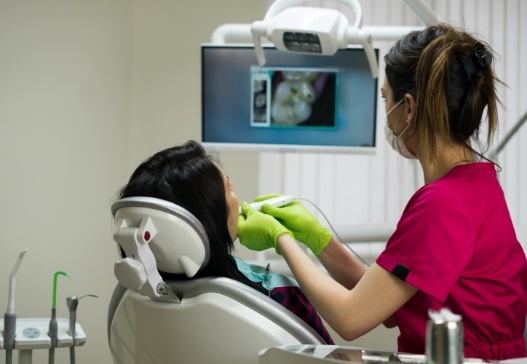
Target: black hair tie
(474, 62)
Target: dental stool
(204, 320)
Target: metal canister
(444, 338)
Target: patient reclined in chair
(188, 299)
(168, 318)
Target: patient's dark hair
(187, 176)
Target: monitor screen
(294, 103)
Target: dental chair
(203, 320)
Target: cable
(335, 234)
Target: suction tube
(53, 326)
(10, 315)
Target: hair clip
(475, 62)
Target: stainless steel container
(444, 338)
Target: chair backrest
(156, 234)
(205, 320)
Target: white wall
(88, 89)
(64, 123)
(166, 100)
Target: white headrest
(156, 235)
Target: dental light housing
(311, 30)
(308, 30)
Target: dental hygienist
(455, 245)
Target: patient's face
(233, 204)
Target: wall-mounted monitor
(294, 103)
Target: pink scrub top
(456, 244)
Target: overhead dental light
(315, 30)
(311, 30)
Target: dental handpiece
(72, 303)
(275, 201)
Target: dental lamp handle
(355, 35)
(259, 30)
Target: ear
(410, 107)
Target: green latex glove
(258, 231)
(300, 222)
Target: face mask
(397, 141)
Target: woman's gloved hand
(300, 222)
(258, 231)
